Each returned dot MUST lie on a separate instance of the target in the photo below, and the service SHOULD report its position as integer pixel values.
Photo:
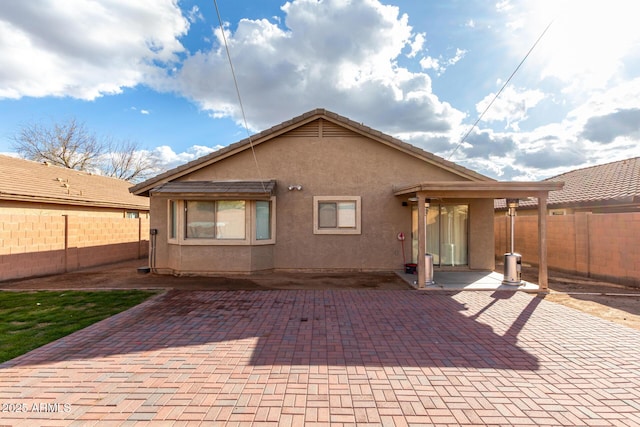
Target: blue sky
(155, 72)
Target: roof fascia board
(70, 202)
(495, 189)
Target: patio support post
(543, 281)
(422, 222)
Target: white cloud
(84, 49)
(602, 129)
(431, 63)
(511, 106)
(416, 45)
(586, 46)
(332, 54)
(440, 65)
(169, 159)
(145, 112)
(195, 15)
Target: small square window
(336, 215)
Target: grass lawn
(29, 320)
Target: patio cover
(483, 190)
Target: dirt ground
(610, 301)
(616, 303)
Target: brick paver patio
(338, 357)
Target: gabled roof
(143, 188)
(25, 180)
(611, 183)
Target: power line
(500, 91)
(235, 83)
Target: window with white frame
(215, 222)
(263, 220)
(219, 219)
(173, 219)
(336, 215)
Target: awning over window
(222, 189)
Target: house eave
(71, 202)
(481, 189)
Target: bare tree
(72, 146)
(125, 161)
(68, 145)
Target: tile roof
(144, 187)
(612, 182)
(26, 180)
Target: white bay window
(220, 212)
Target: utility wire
(499, 92)
(235, 83)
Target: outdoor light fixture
(295, 187)
(512, 204)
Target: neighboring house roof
(28, 181)
(143, 188)
(612, 183)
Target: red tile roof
(26, 180)
(609, 183)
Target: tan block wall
(34, 245)
(596, 245)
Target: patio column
(543, 281)
(422, 230)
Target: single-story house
(322, 192)
(609, 188)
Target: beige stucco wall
(331, 166)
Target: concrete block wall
(602, 246)
(35, 245)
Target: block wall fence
(602, 246)
(37, 245)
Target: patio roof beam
(484, 190)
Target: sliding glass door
(446, 234)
